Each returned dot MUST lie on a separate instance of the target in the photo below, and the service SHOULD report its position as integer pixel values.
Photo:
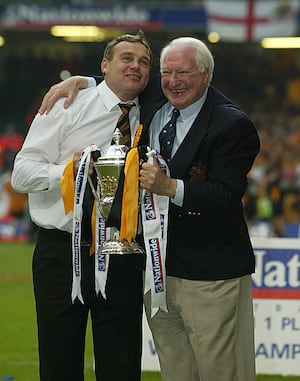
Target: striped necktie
(123, 124)
(167, 136)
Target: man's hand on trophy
(152, 178)
(76, 159)
(68, 88)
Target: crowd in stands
(273, 196)
(14, 222)
(267, 86)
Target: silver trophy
(108, 168)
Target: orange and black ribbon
(124, 211)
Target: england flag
(251, 20)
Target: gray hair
(203, 56)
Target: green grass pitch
(18, 336)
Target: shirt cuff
(178, 198)
(91, 82)
(55, 174)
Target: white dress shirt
(51, 142)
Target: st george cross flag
(250, 20)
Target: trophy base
(117, 247)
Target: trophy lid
(115, 152)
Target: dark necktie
(123, 124)
(167, 135)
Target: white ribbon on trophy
(101, 263)
(154, 211)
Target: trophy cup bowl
(108, 169)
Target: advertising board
(276, 303)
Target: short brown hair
(139, 37)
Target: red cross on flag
(251, 20)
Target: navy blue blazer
(208, 237)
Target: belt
(61, 235)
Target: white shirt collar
(191, 110)
(110, 99)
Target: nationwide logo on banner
(277, 273)
(248, 21)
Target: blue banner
(129, 16)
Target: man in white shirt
(38, 170)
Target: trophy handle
(95, 194)
(95, 156)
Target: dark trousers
(116, 321)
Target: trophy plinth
(108, 168)
(117, 246)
